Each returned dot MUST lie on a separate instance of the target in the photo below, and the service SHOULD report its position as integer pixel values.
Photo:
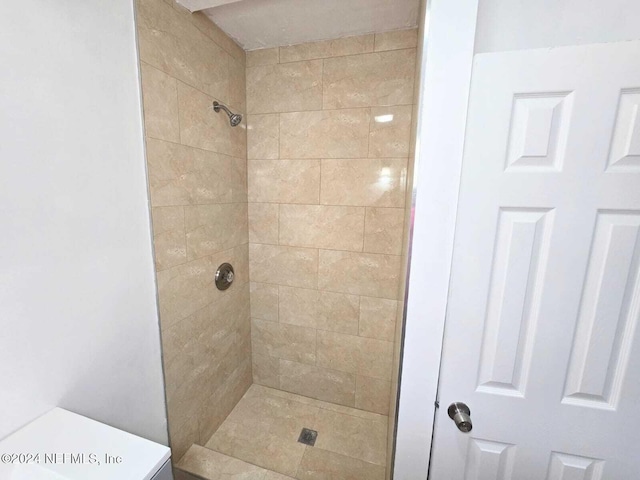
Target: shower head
(234, 118)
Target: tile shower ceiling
(258, 24)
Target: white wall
(78, 317)
(521, 24)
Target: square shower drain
(308, 437)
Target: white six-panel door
(541, 340)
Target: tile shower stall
(307, 199)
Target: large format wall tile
(215, 409)
(169, 236)
(266, 370)
(390, 131)
(298, 306)
(212, 228)
(396, 40)
(367, 182)
(211, 337)
(264, 56)
(360, 273)
(237, 85)
(171, 43)
(337, 312)
(263, 222)
(296, 267)
(324, 134)
(383, 78)
(319, 309)
(339, 228)
(186, 288)
(263, 132)
(182, 175)
(201, 127)
(264, 301)
(317, 382)
(326, 235)
(384, 228)
(160, 100)
(197, 179)
(203, 361)
(182, 435)
(327, 48)
(284, 181)
(348, 353)
(285, 88)
(215, 33)
(288, 342)
(373, 394)
(377, 318)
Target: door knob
(461, 415)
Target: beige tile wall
(329, 131)
(197, 177)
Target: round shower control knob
(224, 276)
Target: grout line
(316, 329)
(334, 109)
(315, 345)
(371, 120)
(178, 107)
(300, 159)
(364, 229)
(184, 230)
(207, 94)
(195, 25)
(291, 204)
(304, 451)
(205, 204)
(217, 252)
(321, 163)
(336, 56)
(330, 291)
(198, 148)
(278, 220)
(322, 82)
(329, 250)
(321, 405)
(359, 312)
(279, 142)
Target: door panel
(489, 460)
(521, 252)
(541, 339)
(571, 467)
(607, 315)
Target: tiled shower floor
(259, 441)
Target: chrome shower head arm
(217, 106)
(234, 118)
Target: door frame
(447, 45)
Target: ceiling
(258, 24)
